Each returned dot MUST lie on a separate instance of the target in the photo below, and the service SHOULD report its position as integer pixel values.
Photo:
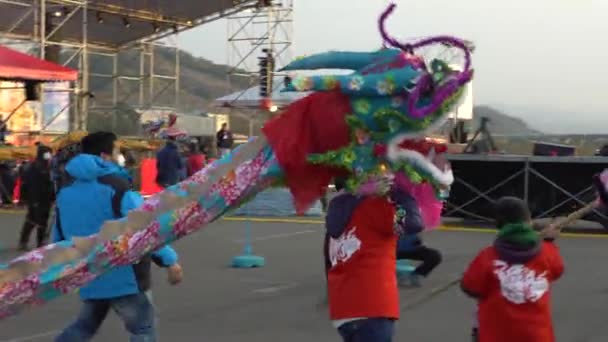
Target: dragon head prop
(397, 99)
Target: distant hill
(501, 123)
(201, 81)
(514, 135)
(557, 120)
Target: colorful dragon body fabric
(360, 125)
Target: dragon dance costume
(392, 95)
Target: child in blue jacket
(99, 191)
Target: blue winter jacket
(168, 165)
(84, 205)
(413, 221)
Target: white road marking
(275, 289)
(278, 236)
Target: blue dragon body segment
(385, 73)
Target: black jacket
(224, 139)
(168, 165)
(37, 179)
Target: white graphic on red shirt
(344, 247)
(519, 284)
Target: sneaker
(414, 279)
(410, 280)
(475, 335)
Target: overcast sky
(546, 60)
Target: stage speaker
(553, 150)
(32, 91)
(52, 53)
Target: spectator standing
(196, 160)
(39, 198)
(224, 140)
(168, 164)
(7, 182)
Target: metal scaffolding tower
(102, 38)
(265, 27)
(150, 88)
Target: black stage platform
(553, 186)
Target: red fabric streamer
(294, 135)
(148, 177)
(423, 146)
(17, 191)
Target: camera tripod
(486, 139)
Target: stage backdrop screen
(34, 115)
(56, 107)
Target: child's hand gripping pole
(600, 181)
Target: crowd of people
(367, 232)
(175, 163)
(46, 173)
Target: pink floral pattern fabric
(19, 291)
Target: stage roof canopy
(15, 65)
(112, 23)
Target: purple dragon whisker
(445, 91)
(381, 25)
(446, 40)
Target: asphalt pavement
(284, 301)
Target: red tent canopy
(15, 65)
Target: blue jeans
(136, 312)
(368, 330)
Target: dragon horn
(385, 36)
(446, 40)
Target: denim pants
(223, 151)
(430, 258)
(136, 311)
(368, 330)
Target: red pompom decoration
(265, 103)
(423, 146)
(379, 150)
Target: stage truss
(76, 28)
(267, 26)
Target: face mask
(47, 156)
(120, 160)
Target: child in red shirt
(362, 282)
(511, 279)
(196, 160)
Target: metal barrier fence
(552, 186)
